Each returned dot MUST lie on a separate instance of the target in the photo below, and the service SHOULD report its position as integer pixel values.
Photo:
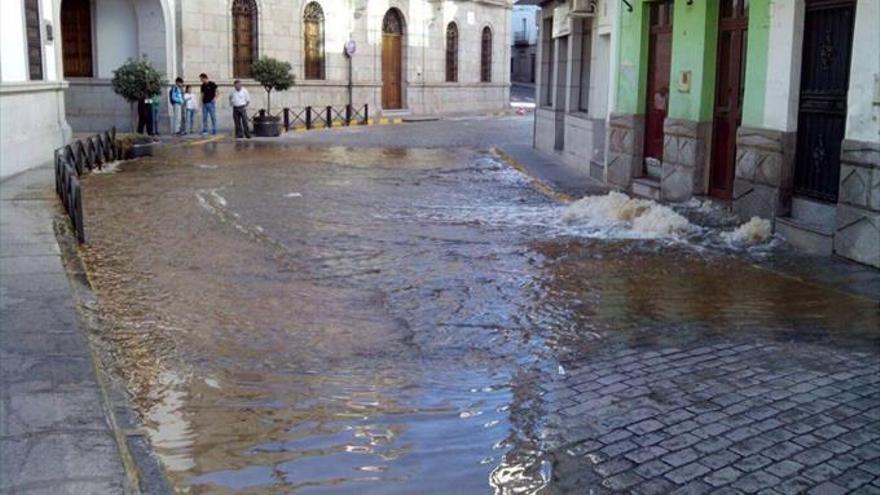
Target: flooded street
(386, 320)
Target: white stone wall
(863, 96)
(582, 131)
(784, 65)
(203, 43)
(32, 120)
(207, 47)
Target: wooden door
(76, 38)
(391, 73)
(730, 77)
(244, 37)
(392, 54)
(828, 27)
(659, 63)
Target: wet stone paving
(323, 319)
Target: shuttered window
(34, 41)
(313, 43)
(76, 38)
(486, 55)
(244, 37)
(451, 52)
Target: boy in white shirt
(239, 99)
(189, 101)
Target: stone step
(647, 188)
(811, 211)
(810, 237)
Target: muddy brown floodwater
(294, 319)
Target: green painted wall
(756, 63)
(694, 42)
(633, 58)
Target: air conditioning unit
(584, 8)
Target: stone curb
(143, 469)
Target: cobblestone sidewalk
(751, 418)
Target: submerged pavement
(383, 319)
(387, 320)
(54, 431)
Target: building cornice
(7, 88)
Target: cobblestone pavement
(750, 418)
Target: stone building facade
(770, 105)
(187, 37)
(574, 79)
(32, 117)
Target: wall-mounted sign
(561, 21)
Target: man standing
(209, 109)
(239, 99)
(175, 98)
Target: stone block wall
(32, 125)
(545, 129)
(686, 154)
(857, 233)
(626, 142)
(764, 172)
(585, 143)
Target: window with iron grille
(244, 37)
(34, 40)
(486, 55)
(451, 52)
(313, 43)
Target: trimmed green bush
(272, 74)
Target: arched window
(313, 42)
(451, 52)
(244, 37)
(486, 55)
(392, 23)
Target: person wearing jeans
(157, 105)
(239, 99)
(209, 109)
(175, 98)
(190, 103)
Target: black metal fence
(74, 159)
(324, 117)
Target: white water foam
(756, 231)
(293, 195)
(630, 217)
(107, 168)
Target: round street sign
(350, 47)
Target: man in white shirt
(239, 99)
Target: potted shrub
(137, 80)
(275, 75)
(130, 146)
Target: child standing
(190, 102)
(175, 99)
(157, 104)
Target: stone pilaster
(626, 142)
(857, 233)
(764, 172)
(685, 158)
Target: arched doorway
(393, 30)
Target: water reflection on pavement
(333, 319)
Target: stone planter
(266, 125)
(141, 150)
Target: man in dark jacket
(209, 109)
